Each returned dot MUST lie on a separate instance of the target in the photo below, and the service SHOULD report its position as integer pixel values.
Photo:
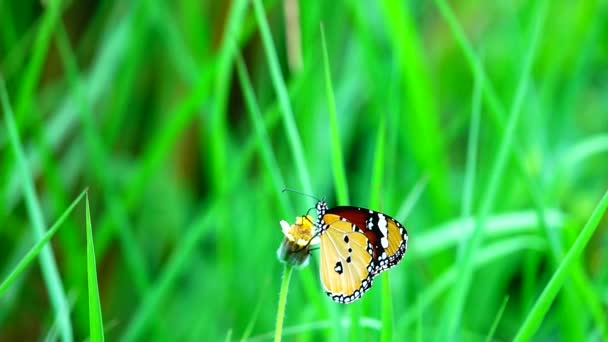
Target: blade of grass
(218, 130)
(35, 250)
(95, 317)
(293, 39)
(501, 310)
(175, 265)
(13, 60)
(36, 59)
(423, 121)
(266, 151)
(50, 272)
(386, 303)
(474, 61)
(585, 149)
(27, 83)
(411, 199)
(10, 297)
(494, 252)
(444, 236)
(472, 149)
(180, 118)
(65, 119)
(496, 108)
(273, 167)
(195, 232)
(337, 159)
(378, 166)
(98, 155)
(278, 83)
(457, 300)
(255, 314)
(31, 75)
(8, 37)
(540, 308)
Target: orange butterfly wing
(346, 260)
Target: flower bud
(299, 237)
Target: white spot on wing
(382, 225)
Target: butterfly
(357, 244)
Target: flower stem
(282, 301)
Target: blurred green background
(186, 119)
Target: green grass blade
(540, 308)
(499, 314)
(386, 304)
(219, 136)
(378, 174)
(254, 316)
(472, 149)
(176, 264)
(423, 121)
(36, 59)
(50, 271)
(98, 155)
(35, 251)
(456, 307)
(272, 165)
(95, 317)
(262, 134)
(10, 293)
(278, 83)
(496, 108)
(449, 234)
(585, 149)
(337, 159)
(152, 157)
(474, 61)
(487, 255)
(411, 199)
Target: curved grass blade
(458, 297)
(95, 318)
(501, 310)
(35, 251)
(293, 135)
(540, 308)
(48, 263)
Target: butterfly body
(357, 244)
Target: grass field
(144, 147)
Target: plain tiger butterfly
(357, 244)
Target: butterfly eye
(357, 244)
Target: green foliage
(481, 126)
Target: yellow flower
(299, 237)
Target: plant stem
(282, 301)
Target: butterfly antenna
(300, 193)
(308, 212)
